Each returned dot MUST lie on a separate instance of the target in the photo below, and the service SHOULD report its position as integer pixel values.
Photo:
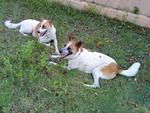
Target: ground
(29, 85)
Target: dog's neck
(51, 29)
(51, 32)
(76, 55)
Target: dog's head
(44, 26)
(71, 48)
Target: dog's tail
(132, 70)
(11, 25)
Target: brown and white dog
(100, 65)
(44, 30)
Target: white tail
(11, 25)
(132, 70)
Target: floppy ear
(50, 21)
(79, 44)
(71, 36)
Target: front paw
(55, 56)
(54, 63)
(47, 44)
(92, 86)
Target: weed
(136, 10)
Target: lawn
(29, 85)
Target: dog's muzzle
(64, 53)
(43, 33)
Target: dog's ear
(79, 44)
(50, 21)
(71, 36)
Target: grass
(29, 85)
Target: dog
(44, 30)
(100, 65)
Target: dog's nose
(38, 31)
(60, 51)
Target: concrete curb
(140, 20)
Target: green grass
(29, 85)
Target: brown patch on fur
(47, 24)
(111, 70)
(36, 30)
(75, 46)
(71, 36)
(78, 45)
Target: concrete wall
(118, 9)
(126, 5)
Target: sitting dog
(44, 30)
(100, 65)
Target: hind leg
(22, 32)
(96, 77)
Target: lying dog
(44, 30)
(100, 65)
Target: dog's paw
(47, 44)
(92, 86)
(53, 63)
(25, 34)
(55, 56)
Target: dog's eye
(43, 27)
(65, 45)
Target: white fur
(28, 27)
(87, 61)
(93, 62)
(132, 70)
(10, 25)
